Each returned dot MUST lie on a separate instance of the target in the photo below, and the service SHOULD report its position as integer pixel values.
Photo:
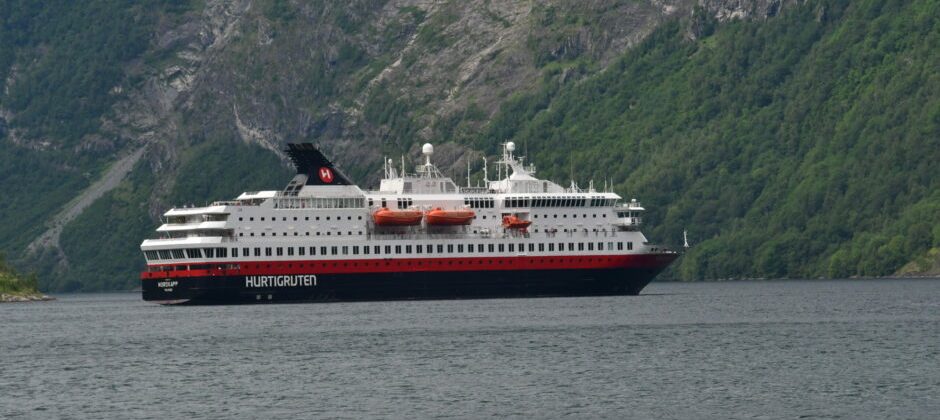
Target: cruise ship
(418, 236)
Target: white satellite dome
(511, 146)
(427, 149)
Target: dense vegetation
(12, 283)
(218, 169)
(801, 146)
(62, 65)
(75, 53)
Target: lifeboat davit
(440, 217)
(386, 217)
(513, 222)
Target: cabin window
(194, 253)
(345, 250)
(580, 246)
(479, 247)
(600, 246)
(460, 248)
(365, 250)
(164, 254)
(541, 247)
(290, 251)
(334, 250)
(322, 250)
(629, 245)
(512, 247)
(502, 248)
(376, 250)
(450, 248)
(490, 248)
(234, 252)
(531, 247)
(280, 251)
(619, 246)
(551, 247)
(355, 250)
(419, 249)
(313, 250)
(407, 249)
(301, 250)
(398, 249)
(440, 249)
(388, 249)
(246, 252)
(209, 252)
(177, 254)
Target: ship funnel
(311, 162)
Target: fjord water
(807, 349)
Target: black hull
(399, 286)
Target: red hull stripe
(395, 265)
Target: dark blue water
(799, 349)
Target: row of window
(565, 216)
(306, 218)
(561, 201)
(479, 202)
(320, 203)
(197, 218)
(198, 253)
(349, 233)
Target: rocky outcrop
(11, 298)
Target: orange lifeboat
(440, 217)
(513, 222)
(386, 217)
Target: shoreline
(25, 297)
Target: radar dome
(511, 146)
(427, 149)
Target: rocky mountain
(111, 112)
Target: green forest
(803, 146)
(13, 283)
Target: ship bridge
(427, 179)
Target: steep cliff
(112, 112)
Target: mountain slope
(790, 138)
(219, 79)
(802, 146)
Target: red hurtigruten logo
(326, 175)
